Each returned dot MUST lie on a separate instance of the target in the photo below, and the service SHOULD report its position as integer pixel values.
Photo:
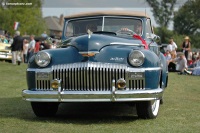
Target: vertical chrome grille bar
(98, 83)
(70, 78)
(91, 78)
(65, 79)
(73, 74)
(78, 79)
(103, 79)
(106, 79)
(110, 77)
(88, 78)
(81, 78)
(75, 78)
(100, 79)
(45, 86)
(96, 79)
(84, 79)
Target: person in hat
(186, 45)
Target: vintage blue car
(105, 56)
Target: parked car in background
(5, 52)
(106, 56)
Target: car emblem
(88, 54)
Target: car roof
(109, 13)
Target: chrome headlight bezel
(42, 59)
(136, 58)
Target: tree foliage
(186, 19)
(162, 11)
(187, 22)
(29, 17)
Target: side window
(149, 31)
(69, 30)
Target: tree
(163, 13)
(187, 22)
(29, 17)
(186, 19)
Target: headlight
(42, 59)
(136, 58)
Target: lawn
(179, 113)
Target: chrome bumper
(103, 96)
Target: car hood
(95, 42)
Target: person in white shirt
(168, 57)
(31, 47)
(25, 50)
(169, 47)
(174, 47)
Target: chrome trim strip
(88, 52)
(110, 64)
(152, 69)
(132, 44)
(39, 70)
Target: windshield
(110, 24)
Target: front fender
(59, 56)
(164, 66)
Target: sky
(69, 7)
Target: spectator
(138, 28)
(181, 63)
(169, 47)
(174, 48)
(25, 50)
(53, 46)
(189, 57)
(196, 69)
(168, 57)
(44, 34)
(171, 65)
(186, 45)
(10, 40)
(4, 40)
(44, 45)
(31, 47)
(194, 56)
(16, 48)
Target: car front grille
(90, 76)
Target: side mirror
(156, 39)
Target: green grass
(180, 112)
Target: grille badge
(89, 54)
